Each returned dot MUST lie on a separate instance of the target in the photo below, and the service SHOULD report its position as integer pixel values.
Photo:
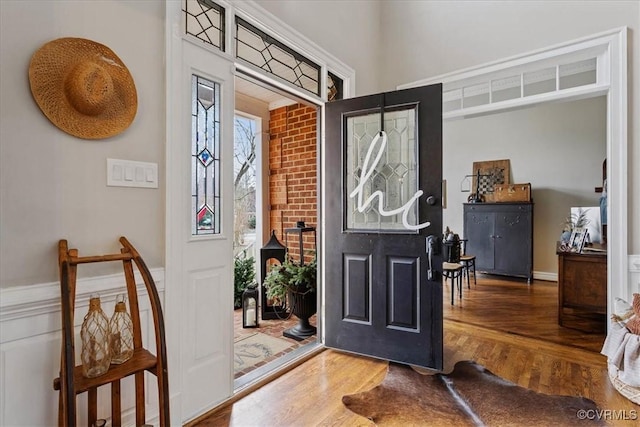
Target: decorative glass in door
(381, 170)
(205, 157)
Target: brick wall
(293, 172)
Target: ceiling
(262, 93)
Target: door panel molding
(404, 293)
(357, 288)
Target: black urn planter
(303, 306)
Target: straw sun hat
(83, 88)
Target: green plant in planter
(291, 276)
(244, 274)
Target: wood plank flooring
(489, 326)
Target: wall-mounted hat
(83, 88)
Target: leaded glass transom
(334, 87)
(205, 156)
(395, 175)
(274, 57)
(205, 20)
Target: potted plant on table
(294, 285)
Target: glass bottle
(95, 340)
(121, 335)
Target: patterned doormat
(251, 349)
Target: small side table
(582, 289)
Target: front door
(383, 207)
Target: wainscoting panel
(30, 347)
(634, 275)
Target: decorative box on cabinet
(500, 235)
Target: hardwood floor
(514, 307)
(489, 326)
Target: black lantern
(250, 307)
(300, 229)
(272, 250)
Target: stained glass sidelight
(274, 57)
(205, 156)
(395, 175)
(205, 20)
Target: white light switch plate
(129, 173)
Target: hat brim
(47, 73)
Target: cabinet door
(513, 242)
(479, 229)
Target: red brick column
(293, 171)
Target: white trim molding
(609, 49)
(30, 345)
(634, 276)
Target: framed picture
(492, 172)
(578, 239)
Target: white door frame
(199, 269)
(610, 48)
(177, 299)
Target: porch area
(255, 347)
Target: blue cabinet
(500, 235)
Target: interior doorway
(277, 142)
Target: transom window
(274, 57)
(205, 20)
(334, 87)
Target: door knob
(431, 200)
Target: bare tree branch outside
(244, 181)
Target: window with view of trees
(246, 138)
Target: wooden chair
(467, 261)
(453, 271)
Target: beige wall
(452, 35)
(53, 185)
(558, 148)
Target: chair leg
(466, 272)
(474, 273)
(452, 288)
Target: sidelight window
(205, 157)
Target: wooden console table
(582, 290)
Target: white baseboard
(546, 276)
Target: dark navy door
(383, 201)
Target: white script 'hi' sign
(366, 173)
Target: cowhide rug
(469, 396)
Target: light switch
(130, 173)
(116, 172)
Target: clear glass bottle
(94, 333)
(121, 335)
